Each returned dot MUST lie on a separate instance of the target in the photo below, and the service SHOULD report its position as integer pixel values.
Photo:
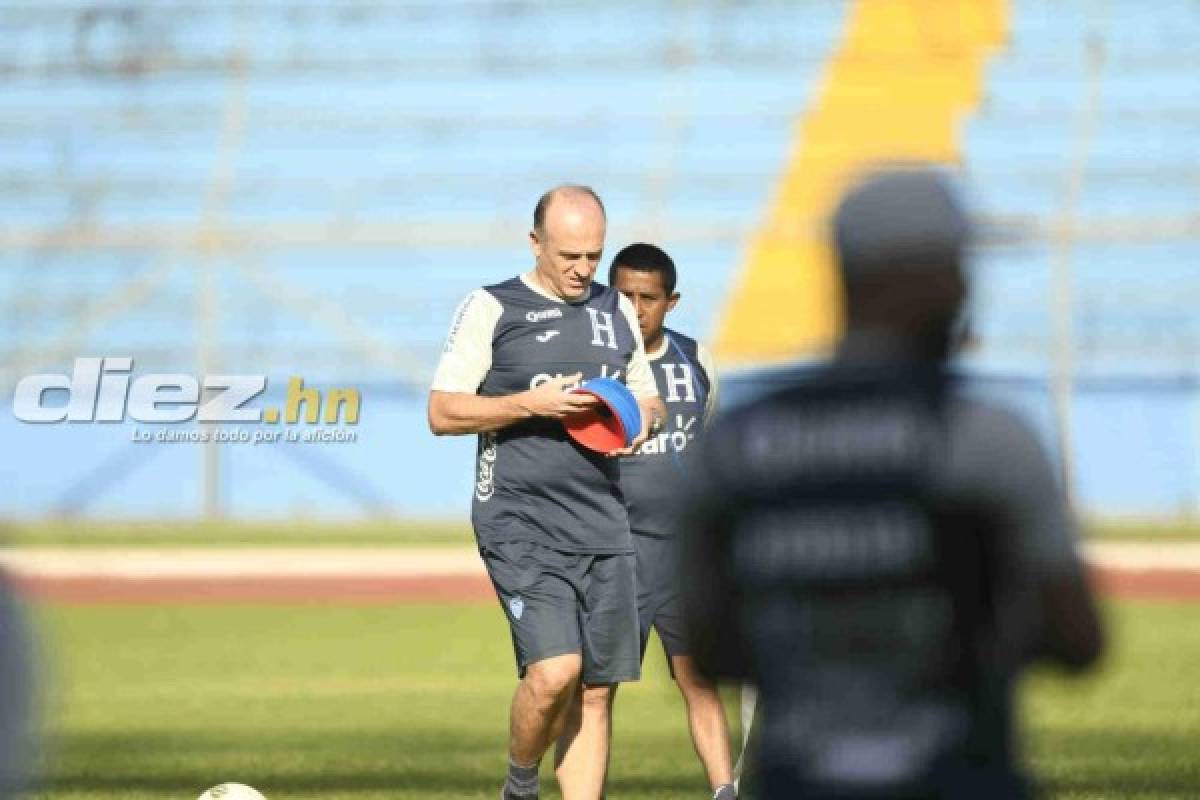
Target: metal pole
(233, 124)
(1063, 294)
(210, 451)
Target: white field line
(167, 563)
(371, 562)
(1184, 556)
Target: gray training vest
(865, 591)
(652, 478)
(532, 482)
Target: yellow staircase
(903, 77)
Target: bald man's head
(568, 240)
(574, 194)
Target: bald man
(548, 515)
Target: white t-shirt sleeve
(710, 368)
(467, 356)
(638, 376)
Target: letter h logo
(602, 322)
(676, 382)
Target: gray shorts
(658, 593)
(559, 603)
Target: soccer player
(651, 480)
(548, 516)
(881, 552)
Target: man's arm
(458, 412)
(640, 381)
(710, 598)
(454, 406)
(712, 402)
(1070, 632)
(1063, 624)
(1073, 635)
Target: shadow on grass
(442, 781)
(1150, 787)
(1117, 763)
(682, 784)
(181, 763)
(174, 762)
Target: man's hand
(457, 412)
(555, 399)
(654, 413)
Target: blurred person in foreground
(16, 694)
(548, 515)
(652, 478)
(879, 552)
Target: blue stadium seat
(680, 114)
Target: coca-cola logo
(485, 485)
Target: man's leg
(609, 621)
(538, 706)
(705, 713)
(581, 754)
(541, 608)
(706, 721)
(538, 712)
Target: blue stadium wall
(429, 138)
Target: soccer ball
(232, 791)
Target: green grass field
(410, 701)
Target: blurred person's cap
(900, 219)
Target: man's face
(649, 297)
(568, 249)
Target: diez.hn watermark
(104, 390)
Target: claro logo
(104, 390)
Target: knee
(689, 679)
(598, 697)
(553, 677)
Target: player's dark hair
(543, 203)
(644, 257)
